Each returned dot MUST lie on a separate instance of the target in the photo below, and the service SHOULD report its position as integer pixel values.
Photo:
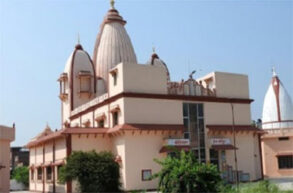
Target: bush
(21, 175)
(95, 172)
(183, 173)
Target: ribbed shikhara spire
(113, 45)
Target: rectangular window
(40, 173)
(115, 118)
(285, 162)
(283, 138)
(49, 173)
(101, 124)
(58, 171)
(32, 174)
(146, 175)
(193, 119)
(114, 75)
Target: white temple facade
(110, 102)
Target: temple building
(110, 102)
(7, 135)
(277, 121)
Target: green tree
(21, 174)
(183, 173)
(95, 172)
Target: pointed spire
(112, 3)
(78, 45)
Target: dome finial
(274, 71)
(154, 49)
(78, 38)
(112, 2)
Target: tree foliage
(95, 172)
(183, 173)
(21, 174)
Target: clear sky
(37, 37)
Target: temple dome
(156, 61)
(113, 45)
(78, 65)
(277, 108)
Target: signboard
(220, 141)
(178, 142)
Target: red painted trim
(163, 96)
(276, 88)
(71, 80)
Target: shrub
(95, 172)
(183, 173)
(21, 175)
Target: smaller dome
(156, 61)
(78, 57)
(78, 66)
(278, 107)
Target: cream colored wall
(270, 148)
(84, 143)
(39, 154)
(118, 149)
(60, 149)
(221, 113)
(36, 158)
(100, 111)
(247, 153)
(49, 152)
(139, 78)
(231, 85)
(118, 88)
(104, 109)
(140, 151)
(153, 111)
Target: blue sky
(37, 37)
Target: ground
(283, 183)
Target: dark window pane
(193, 112)
(185, 122)
(185, 110)
(201, 125)
(200, 110)
(285, 162)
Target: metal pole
(234, 143)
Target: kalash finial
(78, 38)
(274, 71)
(154, 49)
(112, 2)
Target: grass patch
(257, 187)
